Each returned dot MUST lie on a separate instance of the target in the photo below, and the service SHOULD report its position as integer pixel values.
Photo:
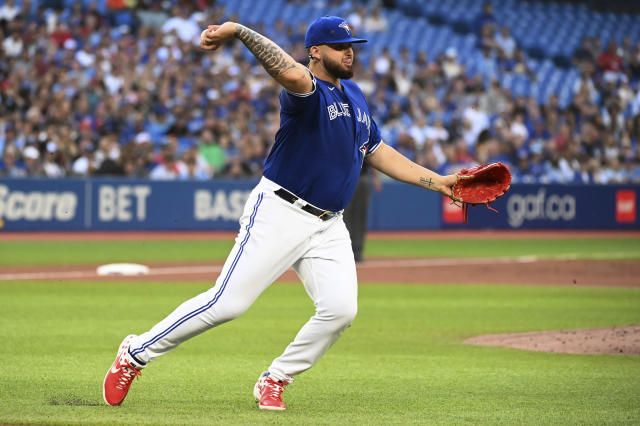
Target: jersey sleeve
(374, 138)
(291, 102)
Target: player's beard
(337, 70)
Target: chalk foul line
(215, 269)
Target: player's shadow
(71, 400)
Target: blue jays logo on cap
(330, 30)
(346, 27)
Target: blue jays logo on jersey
(364, 118)
(346, 27)
(364, 149)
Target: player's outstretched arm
(393, 164)
(292, 75)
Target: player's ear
(313, 53)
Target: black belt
(291, 198)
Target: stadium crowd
(127, 92)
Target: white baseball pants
(274, 235)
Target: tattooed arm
(393, 164)
(292, 75)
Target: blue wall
(559, 207)
(118, 204)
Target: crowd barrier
(123, 204)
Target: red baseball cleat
(119, 377)
(268, 393)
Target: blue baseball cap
(330, 30)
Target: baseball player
(293, 217)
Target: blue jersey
(322, 141)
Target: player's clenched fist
(216, 35)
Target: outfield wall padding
(125, 204)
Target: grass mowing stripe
(579, 247)
(401, 362)
(91, 252)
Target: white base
(125, 269)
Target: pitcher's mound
(623, 340)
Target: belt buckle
(328, 213)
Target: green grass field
(91, 252)
(402, 361)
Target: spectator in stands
(54, 161)
(236, 168)
(634, 64)
(211, 151)
(632, 169)
(596, 46)
(382, 63)
(33, 166)
(488, 41)
(561, 139)
(625, 96)
(138, 157)
(518, 132)
(437, 132)
(9, 11)
(186, 27)
(590, 140)
(462, 152)
(557, 170)
(418, 131)
(586, 172)
(486, 18)
(151, 14)
(406, 145)
(474, 122)
(584, 57)
(586, 83)
(107, 157)
(492, 100)
(195, 166)
(356, 18)
(421, 65)
(401, 79)
(610, 64)
(13, 45)
(84, 164)
(506, 43)
(168, 168)
(10, 166)
(450, 65)
(521, 66)
(610, 148)
(610, 171)
(625, 50)
(68, 77)
(375, 22)
(613, 120)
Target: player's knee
(347, 318)
(228, 312)
(341, 315)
